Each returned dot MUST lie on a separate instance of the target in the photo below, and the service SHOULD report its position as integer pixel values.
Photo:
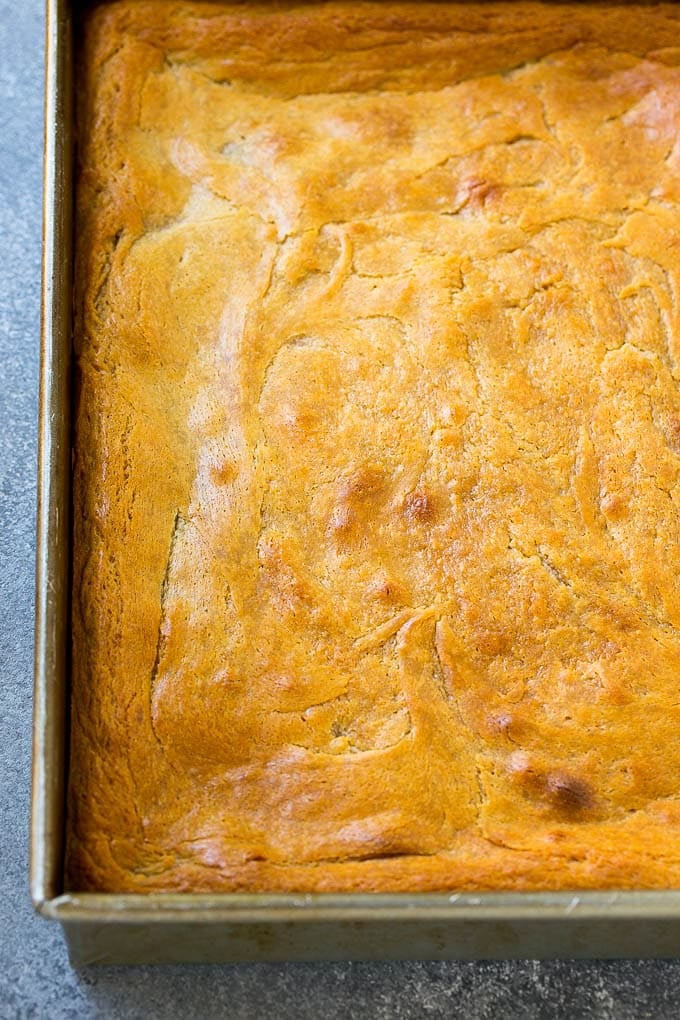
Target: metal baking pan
(227, 927)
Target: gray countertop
(35, 977)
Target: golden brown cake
(377, 455)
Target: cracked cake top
(377, 455)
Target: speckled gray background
(35, 977)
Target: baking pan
(212, 928)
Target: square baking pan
(108, 928)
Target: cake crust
(377, 448)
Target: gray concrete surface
(35, 977)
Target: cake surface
(377, 448)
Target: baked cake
(377, 448)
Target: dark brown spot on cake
(564, 792)
(568, 793)
(419, 507)
(363, 483)
(298, 422)
(613, 507)
(224, 473)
